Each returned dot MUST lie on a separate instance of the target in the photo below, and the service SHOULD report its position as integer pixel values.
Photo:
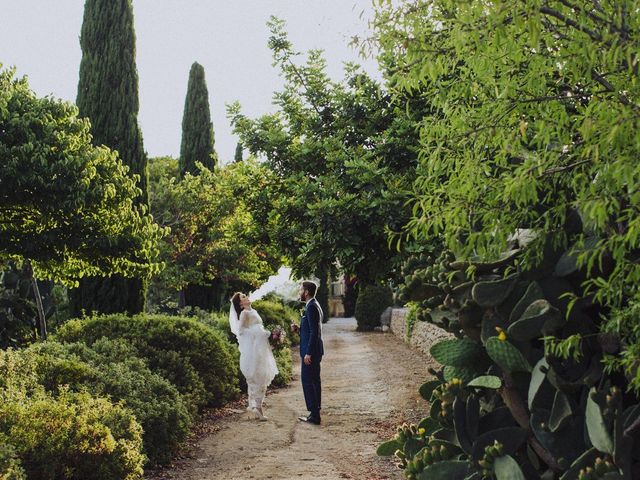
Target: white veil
(234, 321)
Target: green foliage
(196, 358)
(10, 466)
(217, 235)
(284, 363)
(237, 157)
(84, 222)
(274, 312)
(197, 130)
(372, 301)
(337, 169)
(108, 97)
(573, 403)
(110, 369)
(73, 437)
(532, 126)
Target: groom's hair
(310, 287)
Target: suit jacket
(311, 331)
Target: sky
(228, 37)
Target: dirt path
(369, 385)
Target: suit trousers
(312, 387)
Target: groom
(311, 351)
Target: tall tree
(238, 155)
(335, 151)
(197, 129)
(108, 96)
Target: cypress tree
(197, 129)
(108, 97)
(238, 156)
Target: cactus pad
(447, 470)
(426, 389)
(457, 352)
(387, 449)
(596, 426)
(534, 292)
(464, 374)
(560, 413)
(493, 292)
(539, 318)
(506, 468)
(538, 375)
(485, 381)
(507, 356)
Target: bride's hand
(294, 328)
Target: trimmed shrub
(372, 301)
(194, 357)
(110, 368)
(73, 437)
(274, 312)
(284, 363)
(18, 375)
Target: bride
(257, 363)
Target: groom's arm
(313, 317)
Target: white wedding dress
(257, 363)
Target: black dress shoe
(310, 419)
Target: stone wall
(424, 334)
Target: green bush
(283, 360)
(110, 368)
(194, 357)
(10, 465)
(372, 301)
(274, 312)
(73, 437)
(18, 375)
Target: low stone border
(424, 334)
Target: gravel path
(369, 382)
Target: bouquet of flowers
(277, 337)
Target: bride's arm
(243, 322)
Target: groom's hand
(307, 359)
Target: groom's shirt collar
(312, 298)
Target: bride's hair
(236, 302)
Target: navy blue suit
(311, 344)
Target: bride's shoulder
(250, 313)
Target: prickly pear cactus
(508, 403)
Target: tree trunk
(42, 319)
